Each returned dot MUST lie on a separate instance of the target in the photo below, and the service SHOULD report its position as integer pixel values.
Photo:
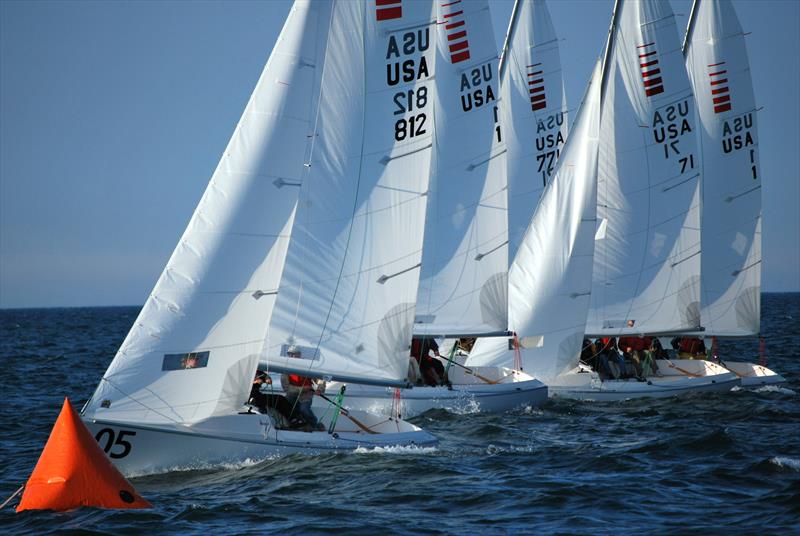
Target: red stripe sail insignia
(720, 93)
(388, 9)
(648, 65)
(536, 86)
(456, 31)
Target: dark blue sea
(719, 463)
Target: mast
(690, 27)
(609, 43)
(509, 33)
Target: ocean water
(719, 463)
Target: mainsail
(647, 263)
(551, 275)
(348, 291)
(187, 356)
(716, 58)
(533, 108)
(463, 282)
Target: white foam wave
(395, 449)
(785, 461)
(774, 389)
(532, 410)
(222, 466)
(466, 406)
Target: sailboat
(534, 115)
(646, 263)
(309, 235)
(643, 278)
(463, 280)
(730, 261)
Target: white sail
(186, 357)
(647, 263)
(716, 58)
(463, 281)
(551, 276)
(348, 291)
(533, 109)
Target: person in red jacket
(300, 392)
(633, 348)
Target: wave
(396, 449)
(775, 389)
(786, 462)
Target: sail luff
(607, 53)
(689, 28)
(501, 66)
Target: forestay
(186, 356)
(348, 292)
(716, 58)
(463, 282)
(551, 275)
(647, 263)
(533, 108)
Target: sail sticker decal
(456, 32)
(536, 86)
(187, 361)
(648, 64)
(388, 9)
(720, 93)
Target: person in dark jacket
(431, 368)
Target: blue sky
(113, 116)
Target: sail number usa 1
(406, 64)
(116, 445)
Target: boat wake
(396, 449)
(231, 466)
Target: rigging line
(22, 487)
(145, 406)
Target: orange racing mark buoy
(73, 471)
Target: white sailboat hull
(469, 394)
(677, 377)
(138, 449)
(753, 375)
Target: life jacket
(299, 381)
